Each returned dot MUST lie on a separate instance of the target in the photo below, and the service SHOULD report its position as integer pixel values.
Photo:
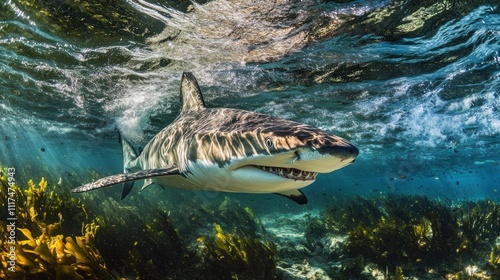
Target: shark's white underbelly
(220, 184)
(203, 176)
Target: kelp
(87, 236)
(57, 257)
(191, 215)
(40, 204)
(232, 256)
(63, 236)
(175, 242)
(413, 232)
(478, 222)
(144, 243)
(43, 250)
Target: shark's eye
(269, 142)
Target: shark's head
(297, 151)
(245, 151)
(266, 154)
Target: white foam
(133, 106)
(6, 108)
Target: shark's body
(231, 150)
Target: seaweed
(315, 229)
(413, 230)
(38, 204)
(413, 233)
(42, 247)
(93, 237)
(151, 248)
(494, 262)
(191, 215)
(232, 214)
(232, 256)
(479, 222)
(346, 215)
(58, 257)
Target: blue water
(414, 85)
(415, 90)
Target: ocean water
(413, 84)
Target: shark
(230, 150)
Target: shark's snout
(335, 146)
(322, 142)
(325, 158)
(346, 151)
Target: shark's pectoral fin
(147, 183)
(127, 177)
(295, 195)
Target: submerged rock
(302, 271)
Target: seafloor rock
(301, 271)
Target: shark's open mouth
(290, 173)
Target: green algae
(240, 257)
(414, 233)
(494, 262)
(143, 242)
(89, 236)
(45, 247)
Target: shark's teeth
(290, 173)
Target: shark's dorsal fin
(191, 97)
